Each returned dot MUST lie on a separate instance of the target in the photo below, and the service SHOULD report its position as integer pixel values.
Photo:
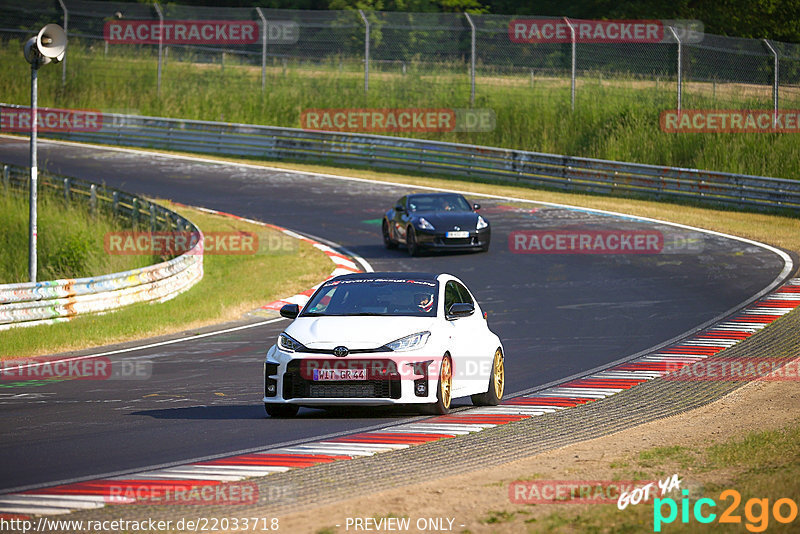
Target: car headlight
(288, 343)
(425, 225)
(482, 223)
(412, 342)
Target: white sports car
(381, 339)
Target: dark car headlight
(424, 224)
(288, 343)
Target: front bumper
(436, 240)
(389, 380)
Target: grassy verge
(70, 243)
(763, 466)
(231, 285)
(614, 118)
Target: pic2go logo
(756, 511)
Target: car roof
(435, 195)
(389, 276)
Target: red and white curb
(154, 483)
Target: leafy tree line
(771, 19)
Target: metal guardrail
(441, 158)
(27, 304)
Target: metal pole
(471, 62)
(263, 49)
(572, 69)
(160, 42)
(32, 225)
(774, 84)
(66, 30)
(680, 67)
(366, 51)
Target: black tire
(387, 238)
(280, 411)
(411, 242)
(497, 381)
(444, 389)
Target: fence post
(160, 43)
(774, 83)
(115, 203)
(366, 50)
(263, 49)
(471, 62)
(152, 217)
(6, 181)
(67, 194)
(66, 29)
(680, 67)
(572, 69)
(135, 212)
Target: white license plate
(340, 374)
(457, 234)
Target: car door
(464, 333)
(476, 356)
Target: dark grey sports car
(435, 221)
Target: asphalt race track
(557, 314)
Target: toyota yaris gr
(383, 339)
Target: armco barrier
(27, 304)
(469, 161)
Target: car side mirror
(290, 311)
(461, 309)
(476, 207)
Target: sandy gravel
(469, 498)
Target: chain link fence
(464, 52)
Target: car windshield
(375, 296)
(438, 203)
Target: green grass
(231, 286)
(70, 243)
(683, 456)
(614, 118)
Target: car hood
(448, 220)
(355, 332)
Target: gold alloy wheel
(446, 382)
(498, 378)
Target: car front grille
(295, 386)
(457, 240)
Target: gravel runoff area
(299, 492)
